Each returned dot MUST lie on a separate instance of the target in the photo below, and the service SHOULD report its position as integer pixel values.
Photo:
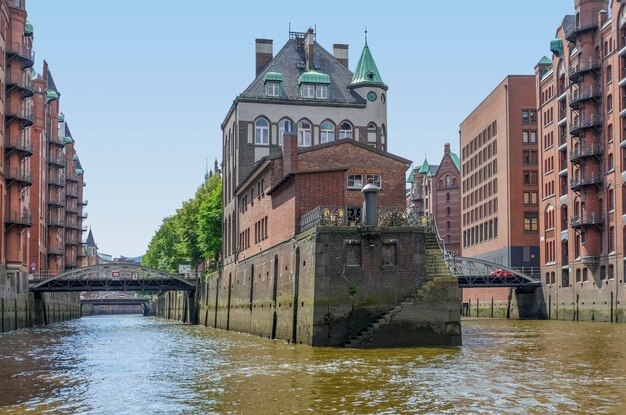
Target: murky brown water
(135, 365)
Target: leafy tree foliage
(191, 236)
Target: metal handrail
(18, 174)
(21, 143)
(20, 49)
(21, 217)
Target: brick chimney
(340, 52)
(264, 53)
(290, 153)
(446, 148)
(309, 42)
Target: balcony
(58, 141)
(584, 122)
(583, 151)
(56, 181)
(56, 201)
(56, 250)
(584, 66)
(21, 145)
(587, 219)
(71, 192)
(84, 215)
(72, 178)
(84, 202)
(579, 181)
(590, 261)
(73, 224)
(56, 222)
(19, 113)
(20, 81)
(19, 218)
(84, 228)
(18, 175)
(18, 50)
(72, 240)
(572, 31)
(72, 209)
(57, 161)
(578, 97)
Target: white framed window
(304, 133)
(355, 181)
(261, 131)
(285, 126)
(272, 89)
(327, 132)
(371, 132)
(321, 91)
(345, 130)
(307, 90)
(376, 180)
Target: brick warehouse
(500, 187)
(436, 191)
(581, 97)
(299, 144)
(42, 185)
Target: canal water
(136, 365)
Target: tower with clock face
(368, 84)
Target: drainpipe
(508, 161)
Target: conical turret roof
(366, 72)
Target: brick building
(500, 187)
(580, 94)
(436, 190)
(303, 90)
(42, 184)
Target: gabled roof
(456, 160)
(51, 85)
(545, 61)
(289, 62)
(425, 167)
(366, 72)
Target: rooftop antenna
(365, 35)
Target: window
(371, 132)
(328, 132)
(609, 74)
(345, 130)
(261, 131)
(355, 181)
(610, 133)
(272, 89)
(321, 91)
(529, 116)
(530, 198)
(307, 91)
(304, 133)
(376, 179)
(531, 222)
(285, 126)
(529, 156)
(609, 103)
(530, 177)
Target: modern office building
(581, 96)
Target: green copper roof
(28, 29)
(556, 46)
(79, 172)
(366, 71)
(425, 169)
(545, 61)
(411, 178)
(51, 96)
(61, 117)
(273, 76)
(68, 140)
(456, 160)
(313, 77)
(75, 158)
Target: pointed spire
(206, 174)
(90, 239)
(366, 72)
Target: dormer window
(272, 82)
(314, 85)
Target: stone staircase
(366, 335)
(437, 271)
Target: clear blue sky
(145, 84)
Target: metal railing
(20, 143)
(584, 66)
(585, 121)
(20, 49)
(585, 179)
(58, 222)
(587, 218)
(584, 93)
(57, 180)
(594, 149)
(56, 201)
(351, 216)
(21, 112)
(21, 79)
(18, 174)
(23, 217)
(59, 161)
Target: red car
(500, 273)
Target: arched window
(345, 130)
(371, 132)
(304, 133)
(609, 103)
(448, 180)
(285, 126)
(261, 131)
(610, 203)
(610, 162)
(383, 135)
(327, 132)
